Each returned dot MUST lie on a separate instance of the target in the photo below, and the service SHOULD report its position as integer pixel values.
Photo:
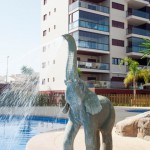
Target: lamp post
(7, 70)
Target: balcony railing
(92, 45)
(98, 84)
(144, 66)
(138, 13)
(89, 6)
(89, 25)
(91, 65)
(138, 31)
(136, 49)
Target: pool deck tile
(53, 141)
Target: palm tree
(145, 74)
(146, 46)
(133, 73)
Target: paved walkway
(53, 141)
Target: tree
(27, 70)
(79, 71)
(145, 74)
(133, 73)
(146, 46)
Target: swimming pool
(16, 131)
(138, 110)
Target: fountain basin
(15, 131)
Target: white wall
(56, 50)
(55, 69)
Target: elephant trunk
(71, 69)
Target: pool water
(16, 131)
(138, 110)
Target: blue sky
(19, 34)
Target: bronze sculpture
(95, 113)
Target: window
(117, 6)
(49, 29)
(54, 26)
(48, 80)
(91, 60)
(45, 17)
(53, 61)
(117, 42)
(43, 81)
(44, 48)
(78, 58)
(43, 64)
(44, 33)
(53, 79)
(91, 40)
(75, 16)
(91, 78)
(94, 18)
(45, 1)
(116, 61)
(49, 13)
(117, 24)
(54, 9)
(70, 18)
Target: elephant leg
(106, 131)
(98, 140)
(106, 140)
(92, 139)
(70, 132)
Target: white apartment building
(105, 31)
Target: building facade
(105, 31)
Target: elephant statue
(94, 112)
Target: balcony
(92, 45)
(136, 17)
(136, 4)
(144, 67)
(138, 31)
(93, 67)
(98, 84)
(88, 5)
(135, 52)
(136, 49)
(88, 25)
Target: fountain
(16, 103)
(17, 108)
(95, 113)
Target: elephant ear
(92, 103)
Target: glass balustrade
(91, 65)
(92, 45)
(89, 25)
(89, 6)
(138, 31)
(136, 49)
(138, 13)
